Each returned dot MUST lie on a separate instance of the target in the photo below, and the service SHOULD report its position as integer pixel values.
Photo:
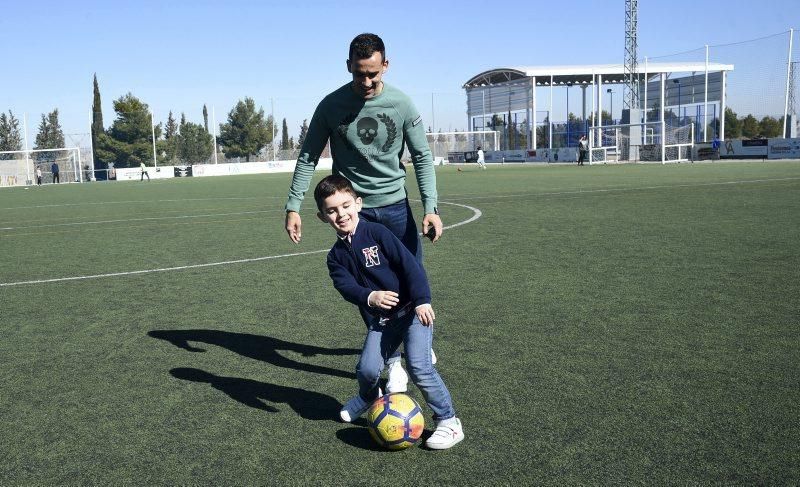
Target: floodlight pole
(27, 159)
(80, 166)
(788, 82)
(272, 114)
(663, 124)
(214, 122)
(153, 130)
(483, 115)
(533, 114)
(92, 176)
(705, 103)
(722, 106)
(550, 115)
(646, 79)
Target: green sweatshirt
(367, 138)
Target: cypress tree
(285, 136)
(97, 123)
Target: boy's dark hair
(330, 185)
(365, 45)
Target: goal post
(18, 168)
(640, 142)
(443, 144)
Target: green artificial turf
(596, 325)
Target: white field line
(140, 201)
(125, 220)
(614, 190)
(476, 214)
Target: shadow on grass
(257, 347)
(359, 438)
(307, 404)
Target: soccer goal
(444, 143)
(18, 168)
(640, 142)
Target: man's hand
(432, 220)
(425, 314)
(383, 299)
(293, 226)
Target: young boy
(372, 269)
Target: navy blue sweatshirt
(376, 260)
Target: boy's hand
(383, 299)
(425, 314)
(293, 226)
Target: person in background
(583, 150)
(54, 170)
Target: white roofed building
(518, 100)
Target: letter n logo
(371, 256)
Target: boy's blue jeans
(382, 341)
(398, 218)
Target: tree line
(128, 141)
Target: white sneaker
(448, 433)
(397, 380)
(355, 407)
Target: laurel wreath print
(391, 131)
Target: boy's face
(340, 210)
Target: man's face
(367, 74)
(340, 211)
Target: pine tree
(247, 131)
(128, 141)
(97, 122)
(285, 136)
(205, 117)
(750, 126)
(303, 132)
(50, 136)
(196, 144)
(10, 135)
(56, 133)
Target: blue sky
(179, 55)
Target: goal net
(18, 168)
(641, 142)
(452, 145)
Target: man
(583, 149)
(481, 161)
(143, 167)
(367, 123)
(54, 169)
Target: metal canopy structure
(583, 74)
(514, 89)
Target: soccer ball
(395, 421)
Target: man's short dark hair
(330, 185)
(365, 45)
